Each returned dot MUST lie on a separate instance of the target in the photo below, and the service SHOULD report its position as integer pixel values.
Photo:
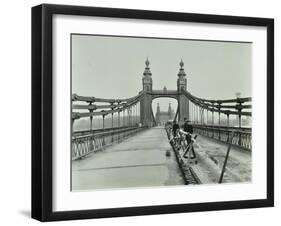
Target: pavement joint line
(128, 149)
(125, 166)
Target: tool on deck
(190, 153)
(226, 158)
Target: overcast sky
(112, 67)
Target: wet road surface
(139, 161)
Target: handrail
(242, 136)
(84, 145)
(94, 131)
(224, 128)
(104, 132)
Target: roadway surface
(211, 156)
(139, 161)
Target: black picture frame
(42, 107)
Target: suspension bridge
(131, 152)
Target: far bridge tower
(145, 104)
(161, 117)
(183, 104)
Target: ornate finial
(147, 62)
(181, 72)
(147, 69)
(181, 63)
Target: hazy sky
(112, 67)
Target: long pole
(226, 158)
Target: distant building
(162, 117)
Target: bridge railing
(87, 142)
(242, 137)
(100, 130)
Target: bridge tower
(183, 105)
(146, 116)
(170, 111)
(157, 116)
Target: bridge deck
(211, 156)
(138, 161)
(141, 161)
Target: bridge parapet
(90, 141)
(242, 137)
(124, 115)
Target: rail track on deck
(188, 173)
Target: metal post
(195, 113)
(227, 119)
(226, 158)
(118, 119)
(123, 124)
(137, 109)
(213, 121)
(239, 136)
(239, 121)
(130, 116)
(119, 124)
(127, 117)
(112, 138)
(198, 114)
(227, 126)
(203, 113)
(91, 117)
(72, 125)
(191, 111)
(103, 116)
(219, 124)
(202, 116)
(207, 117)
(91, 123)
(112, 120)
(133, 117)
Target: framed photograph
(145, 112)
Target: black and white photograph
(154, 112)
(140, 112)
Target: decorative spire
(147, 62)
(158, 107)
(170, 109)
(181, 72)
(181, 63)
(147, 69)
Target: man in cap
(188, 131)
